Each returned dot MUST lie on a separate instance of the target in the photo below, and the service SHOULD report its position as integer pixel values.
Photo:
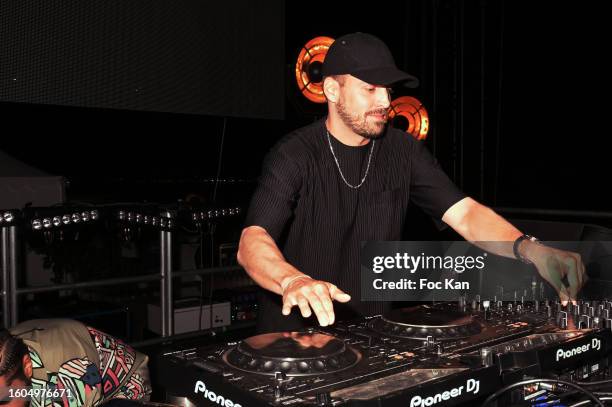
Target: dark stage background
(516, 91)
(188, 57)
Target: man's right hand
(317, 295)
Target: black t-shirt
(318, 221)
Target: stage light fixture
(52, 218)
(308, 68)
(128, 217)
(7, 217)
(408, 114)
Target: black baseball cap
(365, 57)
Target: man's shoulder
(399, 137)
(399, 142)
(300, 142)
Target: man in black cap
(349, 178)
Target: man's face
(363, 107)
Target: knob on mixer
(562, 319)
(429, 342)
(586, 322)
(485, 305)
(486, 356)
(597, 323)
(323, 399)
(577, 309)
(279, 378)
(462, 303)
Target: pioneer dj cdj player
(439, 354)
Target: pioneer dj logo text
(472, 386)
(200, 387)
(404, 261)
(595, 345)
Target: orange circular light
(409, 114)
(308, 68)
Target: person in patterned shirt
(62, 362)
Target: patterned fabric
(78, 377)
(87, 364)
(116, 361)
(36, 360)
(134, 389)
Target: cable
(533, 381)
(600, 382)
(214, 197)
(556, 402)
(212, 225)
(201, 279)
(585, 402)
(212, 275)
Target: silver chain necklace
(340, 170)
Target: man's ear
(27, 366)
(331, 88)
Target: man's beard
(359, 124)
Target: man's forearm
(263, 261)
(489, 231)
(480, 225)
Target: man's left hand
(555, 266)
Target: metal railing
(8, 247)
(10, 291)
